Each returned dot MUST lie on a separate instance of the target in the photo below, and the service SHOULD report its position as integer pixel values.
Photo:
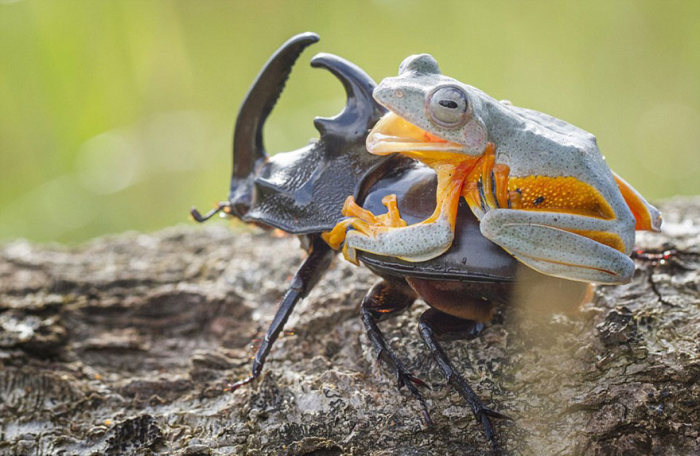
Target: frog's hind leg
(564, 245)
(388, 299)
(434, 325)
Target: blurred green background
(117, 115)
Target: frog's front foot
(364, 221)
(419, 242)
(392, 218)
(388, 234)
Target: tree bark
(125, 345)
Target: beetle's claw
(494, 414)
(410, 382)
(485, 411)
(426, 414)
(482, 414)
(403, 379)
(426, 417)
(490, 434)
(418, 381)
(234, 386)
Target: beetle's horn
(361, 111)
(248, 149)
(248, 146)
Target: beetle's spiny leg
(434, 324)
(655, 257)
(222, 206)
(388, 299)
(308, 274)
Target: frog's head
(429, 113)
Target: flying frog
(538, 185)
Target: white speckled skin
(531, 144)
(411, 243)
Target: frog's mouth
(395, 134)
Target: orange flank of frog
(560, 194)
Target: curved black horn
(361, 111)
(248, 145)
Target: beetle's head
(248, 149)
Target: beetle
(304, 192)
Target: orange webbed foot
(392, 218)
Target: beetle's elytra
(468, 188)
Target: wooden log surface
(125, 345)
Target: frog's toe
(350, 254)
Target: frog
(539, 186)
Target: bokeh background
(117, 115)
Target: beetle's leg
(306, 277)
(387, 299)
(434, 324)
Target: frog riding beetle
(468, 188)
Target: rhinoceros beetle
(302, 192)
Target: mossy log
(126, 345)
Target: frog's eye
(448, 107)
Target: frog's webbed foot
(564, 245)
(392, 218)
(388, 234)
(364, 221)
(419, 242)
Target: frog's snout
(389, 94)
